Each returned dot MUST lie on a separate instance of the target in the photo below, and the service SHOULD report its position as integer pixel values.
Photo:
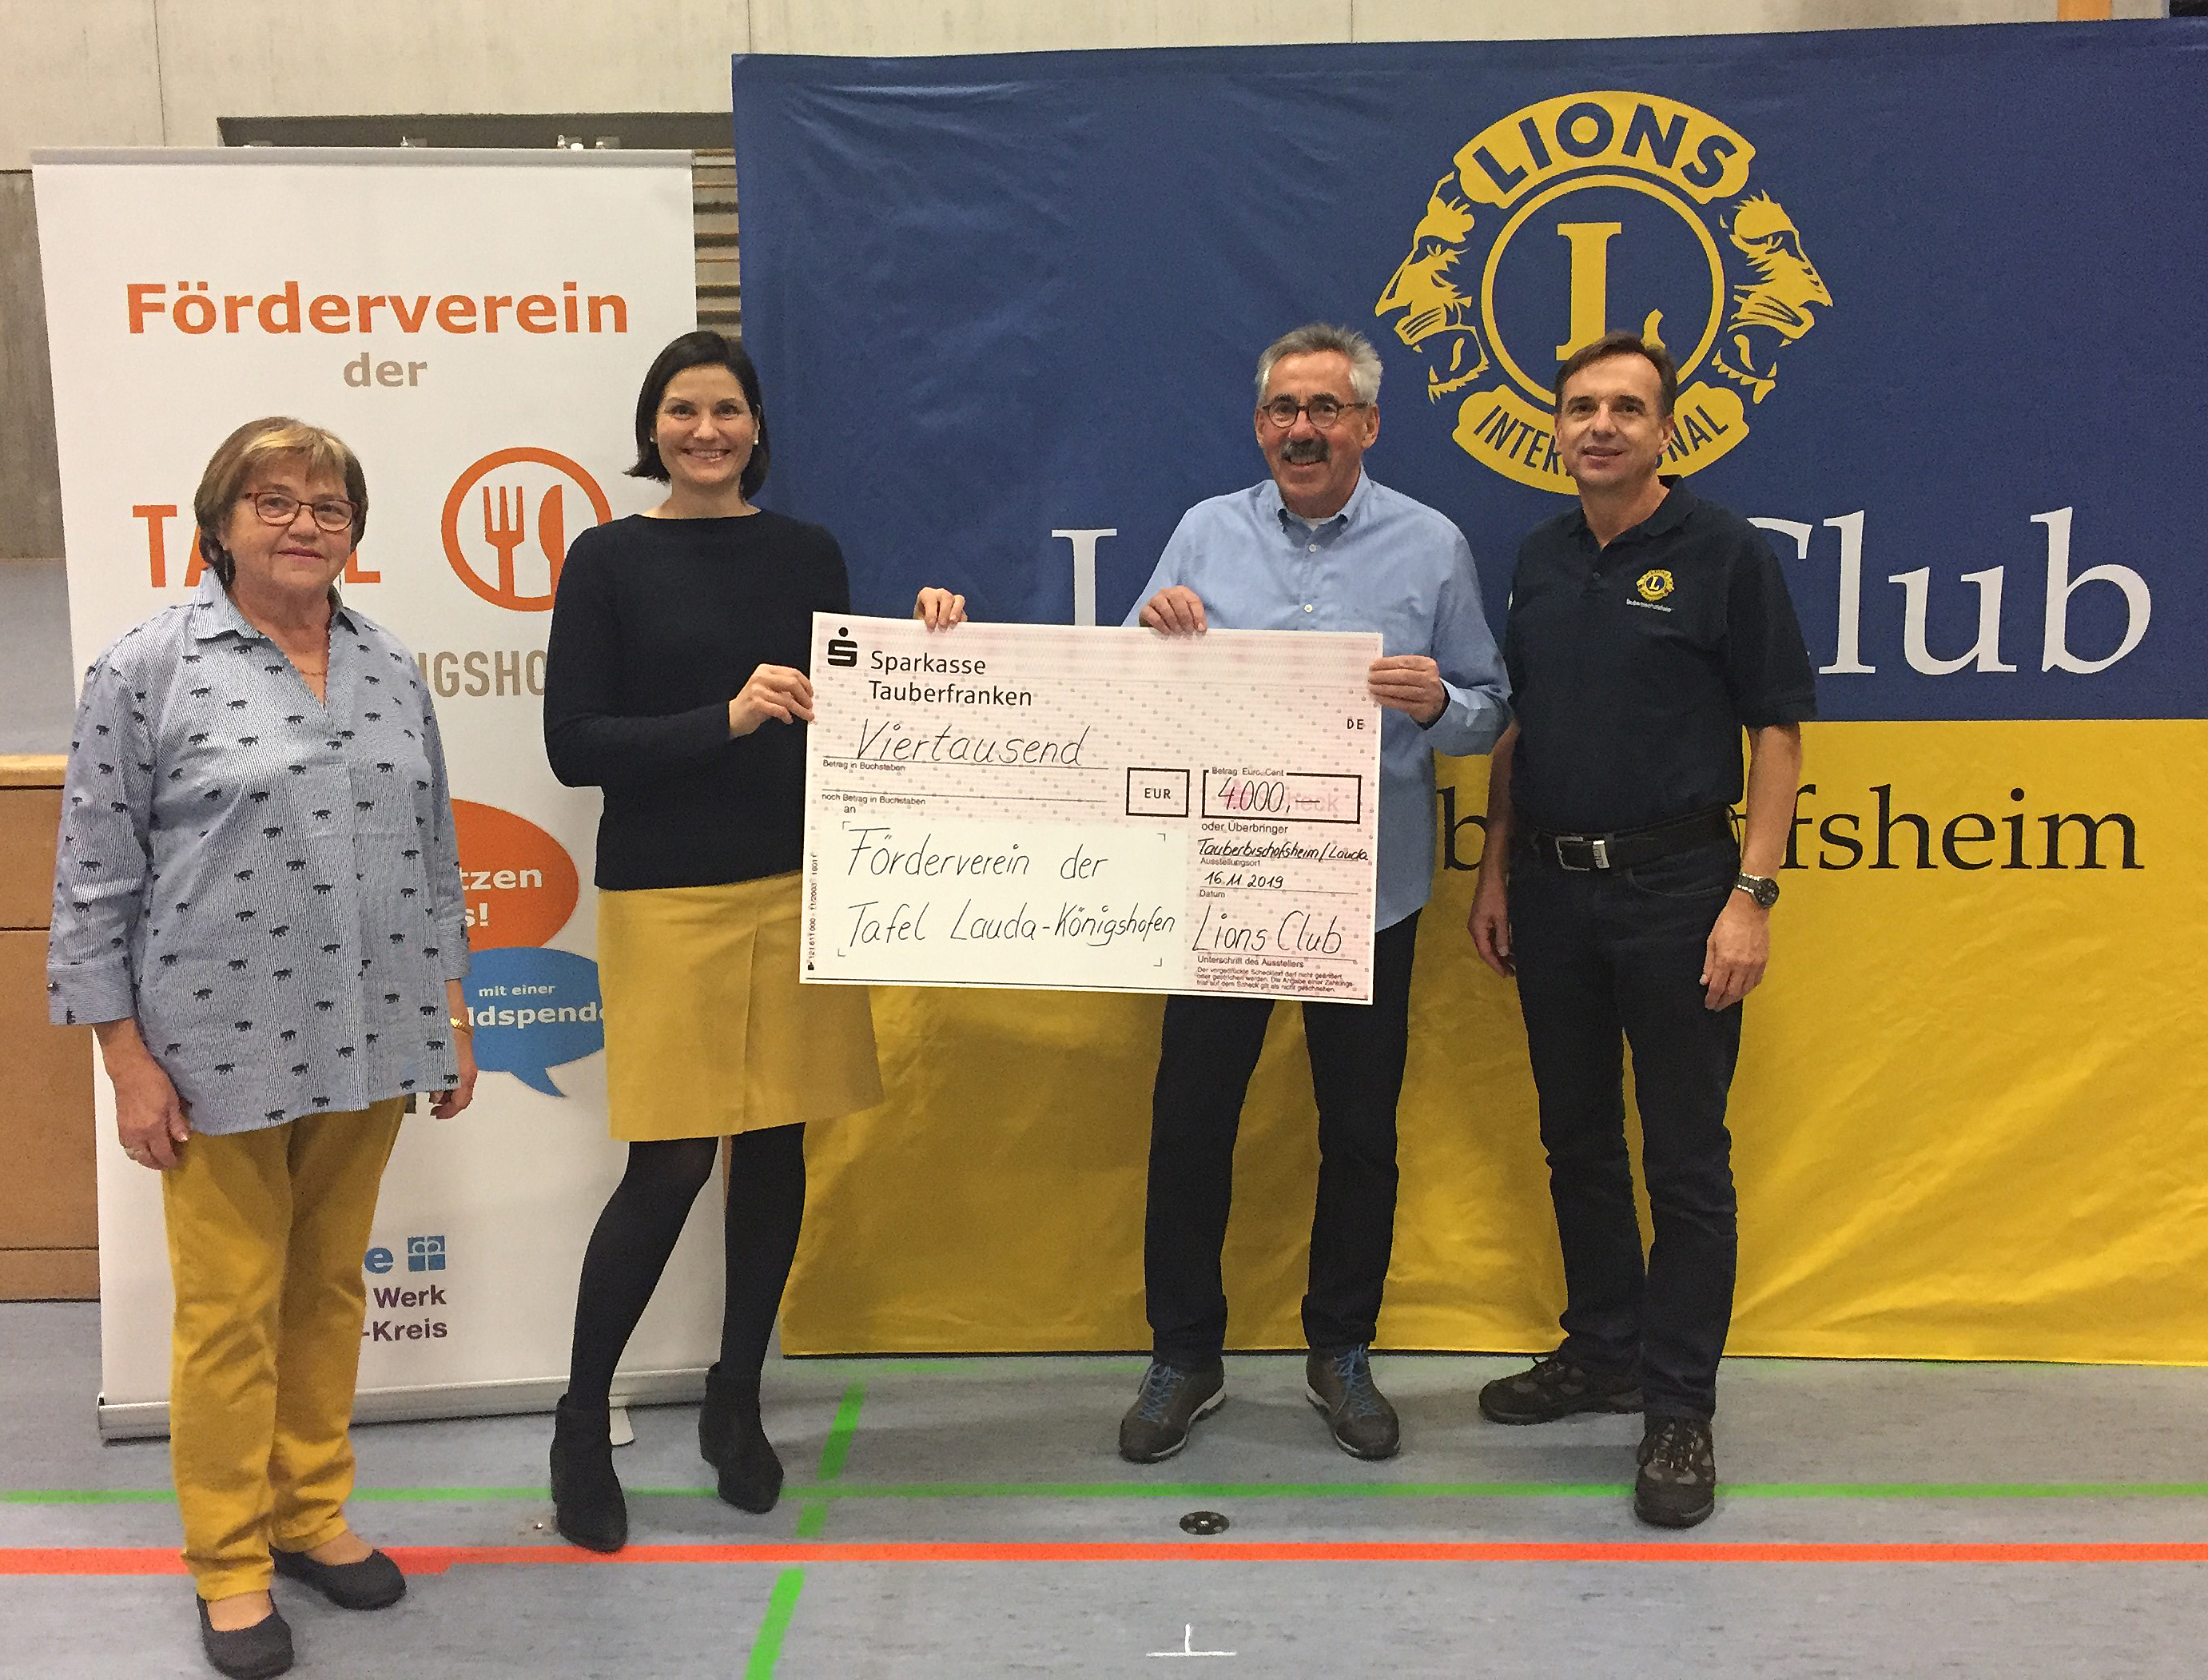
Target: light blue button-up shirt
(1385, 563)
(267, 882)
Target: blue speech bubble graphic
(533, 1009)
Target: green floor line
(1970, 1489)
(812, 1515)
(452, 1495)
(781, 1606)
(1496, 1491)
(838, 1447)
(830, 1487)
(905, 1365)
(90, 1496)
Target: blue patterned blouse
(267, 882)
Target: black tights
(638, 1230)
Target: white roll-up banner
(474, 325)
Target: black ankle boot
(729, 1439)
(586, 1494)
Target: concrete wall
(36, 681)
(160, 72)
(30, 490)
(34, 653)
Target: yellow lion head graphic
(1439, 322)
(1774, 311)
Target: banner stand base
(145, 1420)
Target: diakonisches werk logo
(1586, 213)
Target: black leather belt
(1633, 846)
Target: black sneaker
(1340, 1383)
(1556, 1388)
(1157, 1425)
(1677, 1485)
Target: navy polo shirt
(1634, 668)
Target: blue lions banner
(1934, 294)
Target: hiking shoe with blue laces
(1157, 1425)
(1357, 1415)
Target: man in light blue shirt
(1318, 546)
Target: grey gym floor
(1013, 1451)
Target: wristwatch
(1760, 888)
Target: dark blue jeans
(1209, 1050)
(1607, 959)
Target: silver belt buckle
(1598, 850)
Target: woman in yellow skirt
(676, 682)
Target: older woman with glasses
(257, 907)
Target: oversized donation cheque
(1090, 809)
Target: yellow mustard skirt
(708, 1031)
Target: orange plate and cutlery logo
(508, 519)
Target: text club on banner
(1933, 313)
(477, 337)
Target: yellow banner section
(1969, 1121)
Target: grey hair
(1363, 360)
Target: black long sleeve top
(657, 624)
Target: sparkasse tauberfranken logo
(1585, 214)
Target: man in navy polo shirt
(1315, 546)
(1647, 629)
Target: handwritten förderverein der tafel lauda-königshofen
(1091, 809)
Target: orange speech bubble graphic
(509, 518)
(518, 882)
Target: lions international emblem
(1580, 215)
(1654, 585)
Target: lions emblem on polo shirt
(1653, 585)
(1589, 213)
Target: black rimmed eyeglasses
(1325, 411)
(333, 513)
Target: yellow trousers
(266, 1231)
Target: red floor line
(436, 1560)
